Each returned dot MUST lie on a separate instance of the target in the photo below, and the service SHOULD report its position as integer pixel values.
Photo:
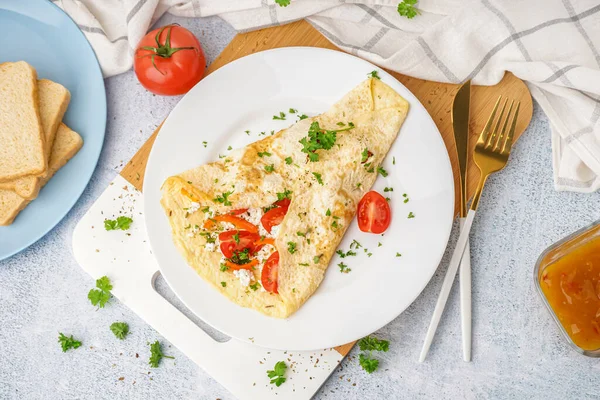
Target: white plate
(244, 95)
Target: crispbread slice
(21, 135)
(53, 102)
(66, 144)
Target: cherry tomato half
(270, 272)
(373, 213)
(246, 240)
(238, 212)
(273, 217)
(169, 61)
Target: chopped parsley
(334, 225)
(318, 176)
(347, 254)
(120, 329)
(288, 160)
(100, 296)
(374, 74)
(406, 199)
(301, 234)
(368, 345)
(236, 237)
(291, 247)
(209, 237)
(316, 259)
(123, 223)
(223, 198)
(388, 189)
(156, 354)
(247, 132)
(365, 155)
(344, 268)
(398, 255)
(67, 342)
(270, 168)
(301, 117)
(304, 264)
(358, 185)
(280, 117)
(292, 111)
(328, 212)
(284, 195)
(411, 215)
(379, 244)
(318, 139)
(229, 148)
(264, 153)
(205, 209)
(224, 284)
(283, 3)
(355, 244)
(255, 286)
(240, 257)
(382, 171)
(277, 374)
(205, 143)
(406, 8)
(223, 268)
(394, 160)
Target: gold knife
(460, 124)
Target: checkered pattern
(553, 45)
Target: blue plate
(40, 33)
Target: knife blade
(460, 124)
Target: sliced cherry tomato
(246, 240)
(373, 213)
(273, 217)
(238, 222)
(169, 60)
(270, 272)
(234, 266)
(238, 212)
(285, 203)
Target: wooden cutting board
(436, 97)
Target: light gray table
(517, 351)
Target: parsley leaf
(291, 247)
(407, 9)
(120, 329)
(411, 215)
(280, 117)
(223, 268)
(318, 176)
(318, 139)
(388, 189)
(356, 244)
(365, 155)
(236, 237)
(264, 153)
(122, 223)
(288, 160)
(270, 168)
(370, 343)
(223, 198)
(367, 363)
(394, 160)
(255, 286)
(156, 354)
(67, 343)
(284, 195)
(328, 212)
(99, 297)
(224, 284)
(205, 143)
(316, 259)
(283, 3)
(382, 171)
(344, 268)
(240, 257)
(292, 111)
(398, 254)
(301, 117)
(374, 74)
(277, 373)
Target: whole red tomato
(169, 61)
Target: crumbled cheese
(193, 230)
(253, 216)
(275, 231)
(193, 207)
(244, 276)
(264, 253)
(210, 246)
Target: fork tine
(486, 129)
(493, 139)
(502, 134)
(509, 139)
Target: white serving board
(125, 257)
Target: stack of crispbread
(34, 143)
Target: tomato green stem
(163, 50)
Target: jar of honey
(567, 276)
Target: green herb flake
(280, 117)
(224, 284)
(411, 215)
(398, 255)
(223, 198)
(121, 223)
(301, 117)
(374, 74)
(67, 342)
(229, 148)
(270, 168)
(264, 153)
(316, 259)
(288, 160)
(328, 212)
(382, 171)
(255, 286)
(156, 354)
(304, 264)
(292, 111)
(318, 177)
(284, 195)
(406, 8)
(205, 143)
(277, 374)
(388, 189)
(394, 160)
(344, 268)
(319, 139)
(223, 268)
(119, 329)
(291, 247)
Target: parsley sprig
(277, 374)
(120, 329)
(156, 354)
(368, 345)
(67, 342)
(374, 74)
(283, 3)
(223, 198)
(99, 297)
(281, 116)
(123, 223)
(320, 139)
(406, 8)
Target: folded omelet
(293, 193)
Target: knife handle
(465, 299)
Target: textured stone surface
(517, 350)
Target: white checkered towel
(553, 45)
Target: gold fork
(491, 155)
